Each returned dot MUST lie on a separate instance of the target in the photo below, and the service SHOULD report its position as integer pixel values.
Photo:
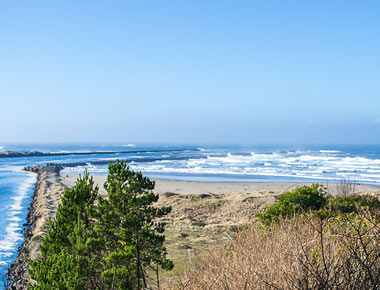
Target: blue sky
(242, 72)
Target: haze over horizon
(240, 72)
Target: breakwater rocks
(49, 168)
(43, 206)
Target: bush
(303, 253)
(300, 200)
(353, 203)
(313, 199)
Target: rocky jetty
(42, 207)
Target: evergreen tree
(127, 226)
(68, 257)
(76, 201)
(115, 244)
(72, 268)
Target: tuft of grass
(198, 224)
(36, 238)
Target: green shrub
(352, 203)
(299, 200)
(313, 199)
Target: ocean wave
(312, 165)
(13, 231)
(308, 164)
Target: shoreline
(231, 203)
(42, 206)
(163, 185)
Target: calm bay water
(200, 163)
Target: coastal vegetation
(314, 200)
(98, 243)
(305, 240)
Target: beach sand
(206, 215)
(195, 187)
(218, 206)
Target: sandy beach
(195, 187)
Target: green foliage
(114, 244)
(65, 263)
(71, 268)
(352, 203)
(127, 227)
(300, 200)
(313, 199)
(76, 201)
(198, 224)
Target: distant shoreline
(14, 154)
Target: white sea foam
(68, 151)
(322, 164)
(14, 219)
(6, 254)
(13, 229)
(312, 165)
(80, 169)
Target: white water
(14, 221)
(307, 164)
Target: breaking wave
(290, 165)
(13, 231)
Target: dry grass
(212, 212)
(304, 253)
(346, 187)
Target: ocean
(264, 163)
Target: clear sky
(190, 71)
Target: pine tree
(127, 225)
(68, 257)
(72, 267)
(115, 244)
(76, 201)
